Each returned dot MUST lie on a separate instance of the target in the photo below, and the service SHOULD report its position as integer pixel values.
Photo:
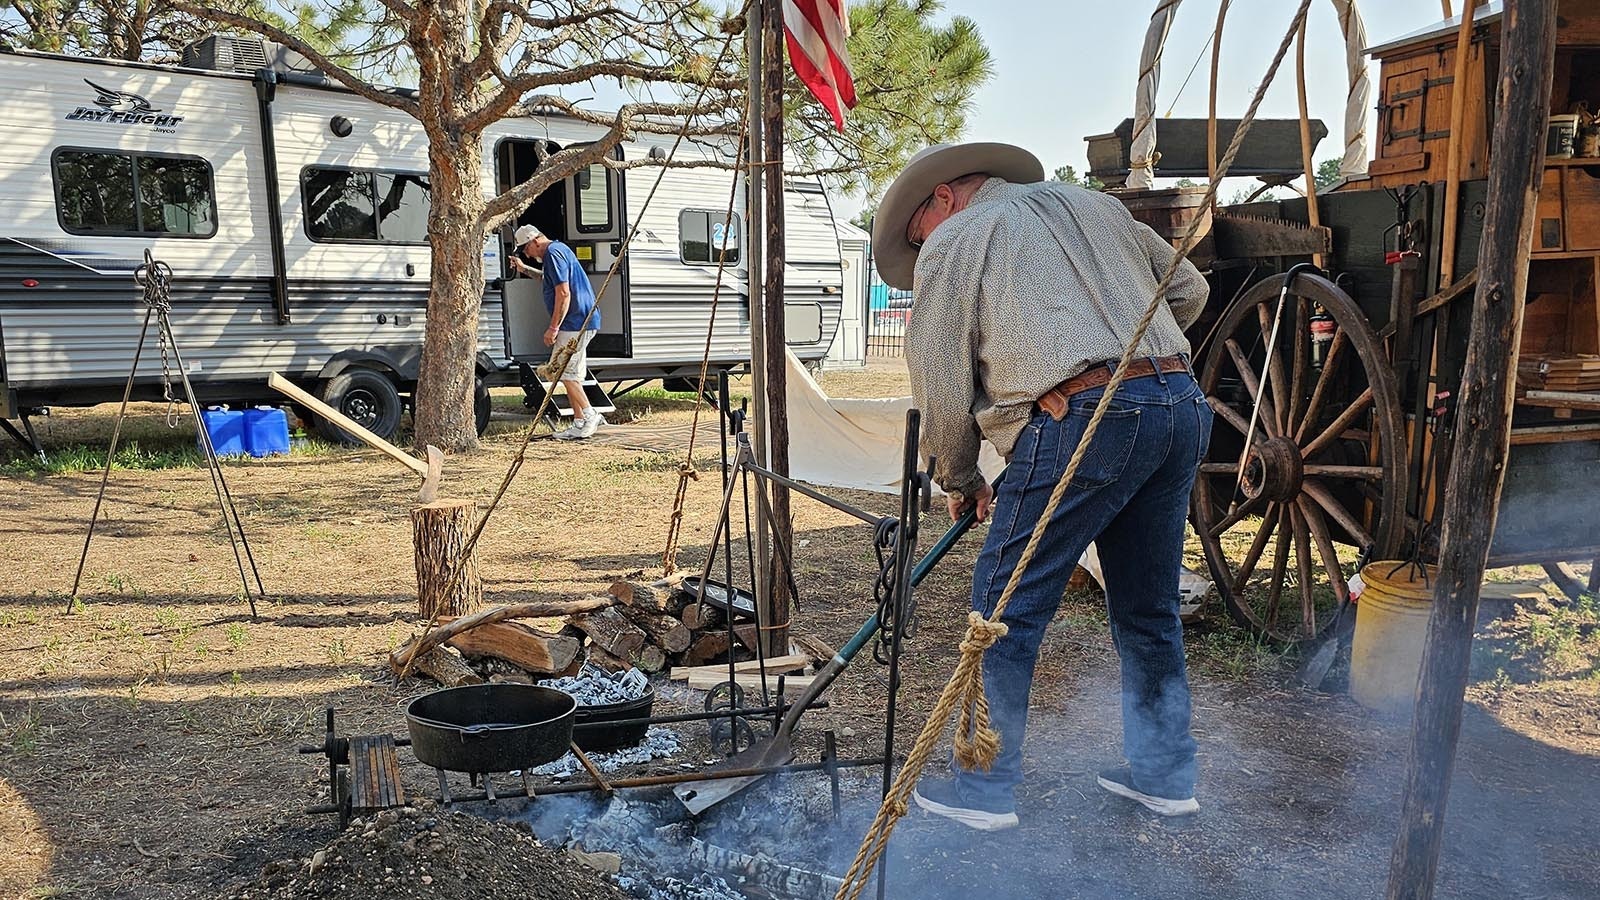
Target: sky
(1064, 69)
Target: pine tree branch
(332, 69)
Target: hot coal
(703, 886)
(658, 743)
(594, 686)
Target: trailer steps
(535, 388)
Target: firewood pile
(652, 626)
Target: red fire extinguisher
(1323, 328)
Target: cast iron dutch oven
(491, 727)
(596, 732)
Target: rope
(977, 744)
(563, 355)
(686, 472)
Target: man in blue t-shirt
(570, 299)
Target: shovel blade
(699, 796)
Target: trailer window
(594, 199)
(102, 193)
(707, 238)
(366, 206)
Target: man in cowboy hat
(1026, 293)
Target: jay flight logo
(123, 108)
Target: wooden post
(439, 531)
(1483, 423)
(775, 615)
(1458, 127)
(1313, 217)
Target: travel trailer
(293, 213)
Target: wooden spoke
(1252, 384)
(1369, 473)
(1325, 549)
(1280, 382)
(1347, 418)
(1302, 558)
(1280, 564)
(1314, 407)
(1247, 566)
(1228, 414)
(1337, 512)
(1302, 362)
(1219, 468)
(1238, 515)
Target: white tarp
(860, 444)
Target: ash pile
(425, 851)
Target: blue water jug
(266, 431)
(226, 428)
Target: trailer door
(596, 225)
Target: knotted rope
(977, 744)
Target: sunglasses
(916, 216)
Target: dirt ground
(147, 739)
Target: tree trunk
(439, 531)
(443, 410)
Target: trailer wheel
(1325, 470)
(367, 396)
(481, 405)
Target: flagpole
(775, 343)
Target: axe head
(430, 481)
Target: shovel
(1315, 670)
(777, 750)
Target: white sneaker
(572, 432)
(591, 424)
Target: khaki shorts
(578, 366)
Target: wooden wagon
(1350, 416)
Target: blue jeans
(1130, 496)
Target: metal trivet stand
(154, 278)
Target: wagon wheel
(1325, 469)
(1571, 582)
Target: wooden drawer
(1580, 200)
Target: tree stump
(439, 531)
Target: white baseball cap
(525, 233)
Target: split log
(611, 631)
(403, 658)
(650, 659)
(665, 631)
(697, 617)
(605, 661)
(708, 647)
(810, 643)
(764, 872)
(524, 647)
(440, 531)
(661, 596)
(747, 636)
(446, 667)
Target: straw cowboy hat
(894, 256)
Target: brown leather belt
(1055, 400)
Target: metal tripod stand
(155, 280)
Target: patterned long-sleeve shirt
(1026, 287)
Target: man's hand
(550, 336)
(984, 498)
(520, 266)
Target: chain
(156, 279)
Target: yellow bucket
(1391, 630)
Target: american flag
(815, 31)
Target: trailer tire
(481, 405)
(366, 395)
